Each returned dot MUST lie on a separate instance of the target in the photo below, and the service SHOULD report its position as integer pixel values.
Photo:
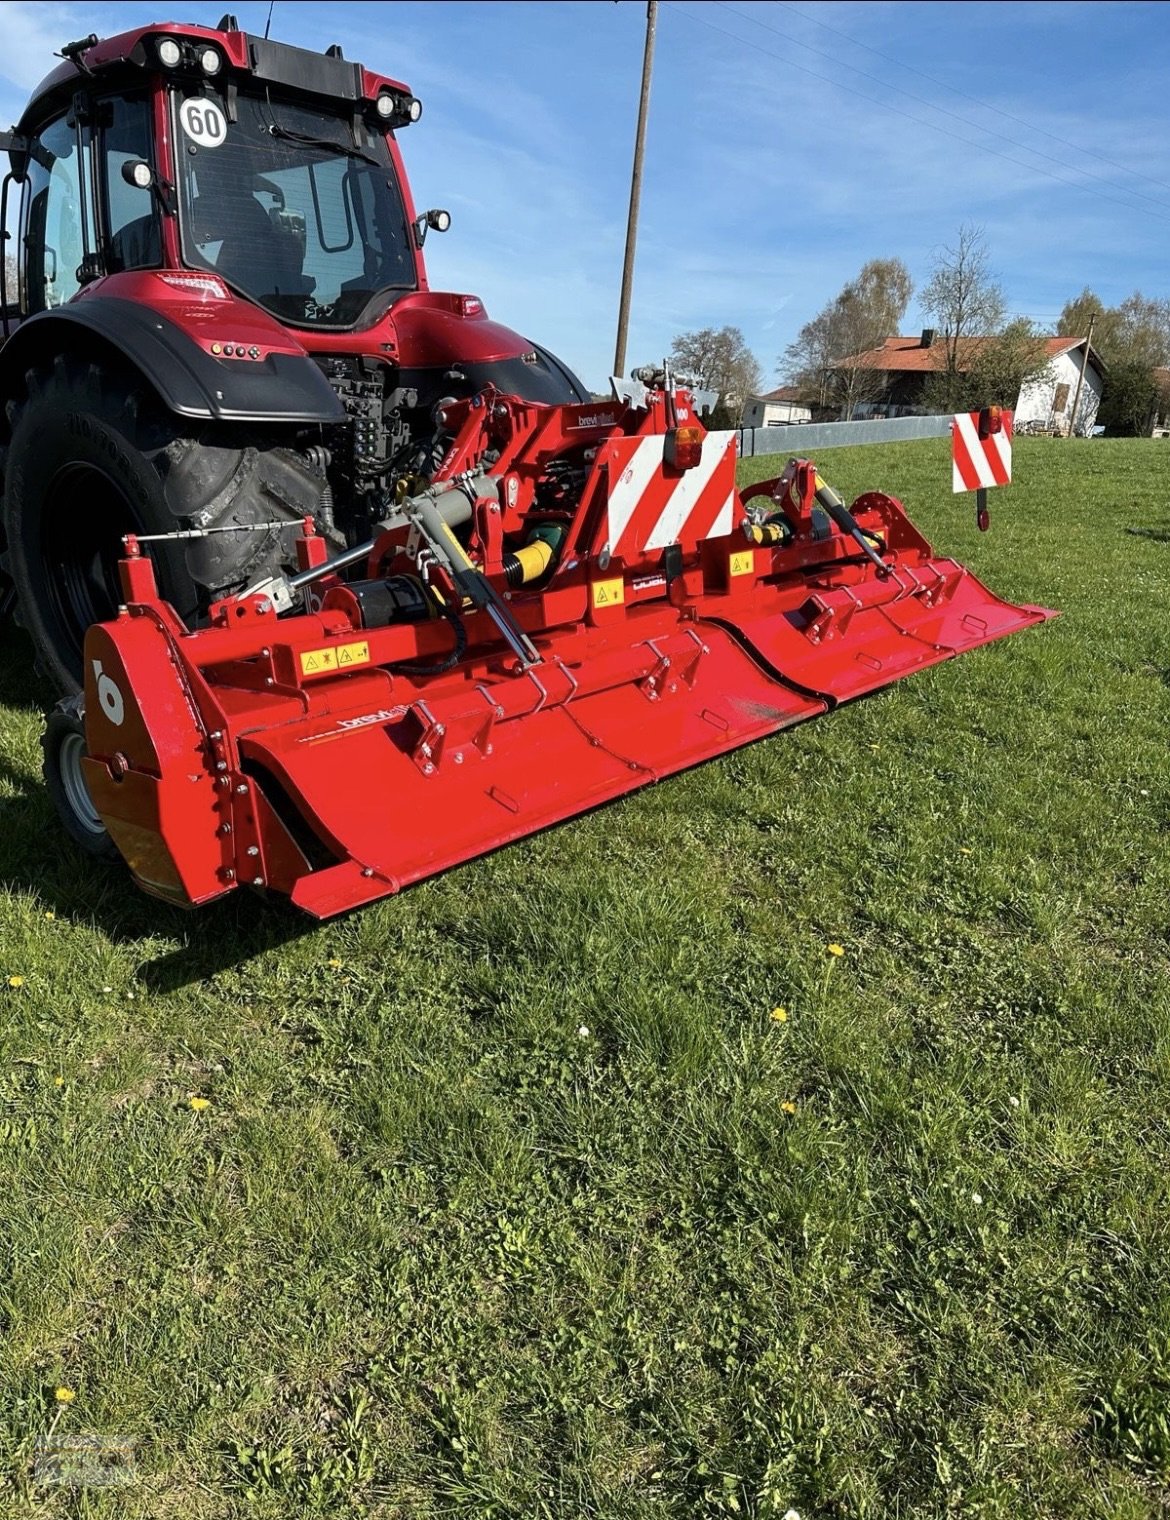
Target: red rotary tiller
(579, 604)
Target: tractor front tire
(64, 747)
(92, 456)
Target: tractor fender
(281, 387)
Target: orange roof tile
(907, 355)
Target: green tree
(718, 359)
(1003, 365)
(827, 361)
(1130, 400)
(1133, 339)
(1085, 311)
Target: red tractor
(344, 583)
(222, 322)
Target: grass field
(512, 1198)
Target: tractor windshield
(287, 210)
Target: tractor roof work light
(397, 110)
(170, 54)
(210, 61)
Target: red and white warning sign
(651, 506)
(981, 449)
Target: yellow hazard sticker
(315, 662)
(608, 593)
(743, 563)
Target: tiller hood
(581, 603)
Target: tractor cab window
(131, 216)
(54, 240)
(287, 209)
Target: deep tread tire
(93, 456)
(64, 744)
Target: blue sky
(787, 144)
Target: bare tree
(967, 302)
(718, 359)
(10, 278)
(828, 359)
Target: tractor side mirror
(439, 221)
(16, 147)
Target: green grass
(504, 1214)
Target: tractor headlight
(210, 61)
(170, 54)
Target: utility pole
(1072, 428)
(619, 362)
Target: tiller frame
(579, 604)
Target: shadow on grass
(36, 856)
(1158, 535)
(20, 686)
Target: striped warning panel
(976, 461)
(650, 507)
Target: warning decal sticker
(315, 662)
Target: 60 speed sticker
(203, 122)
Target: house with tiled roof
(775, 408)
(1045, 401)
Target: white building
(1046, 402)
(775, 408)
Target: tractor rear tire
(92, 456)
(64, 745)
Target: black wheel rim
(83, 519)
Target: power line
(954, 115)
(909, 115)
(974, 99)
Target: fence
(800, 437)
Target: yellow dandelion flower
(963, 850)
(64, 1395)
(199, 1104)
(779, 1015)
(788, 1106)
(836, 949)
(58, 1081)
(16, 981)
(334, 964)
(50, 915)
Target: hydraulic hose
(447, 662)
(848, 524)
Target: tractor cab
(269, 167)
